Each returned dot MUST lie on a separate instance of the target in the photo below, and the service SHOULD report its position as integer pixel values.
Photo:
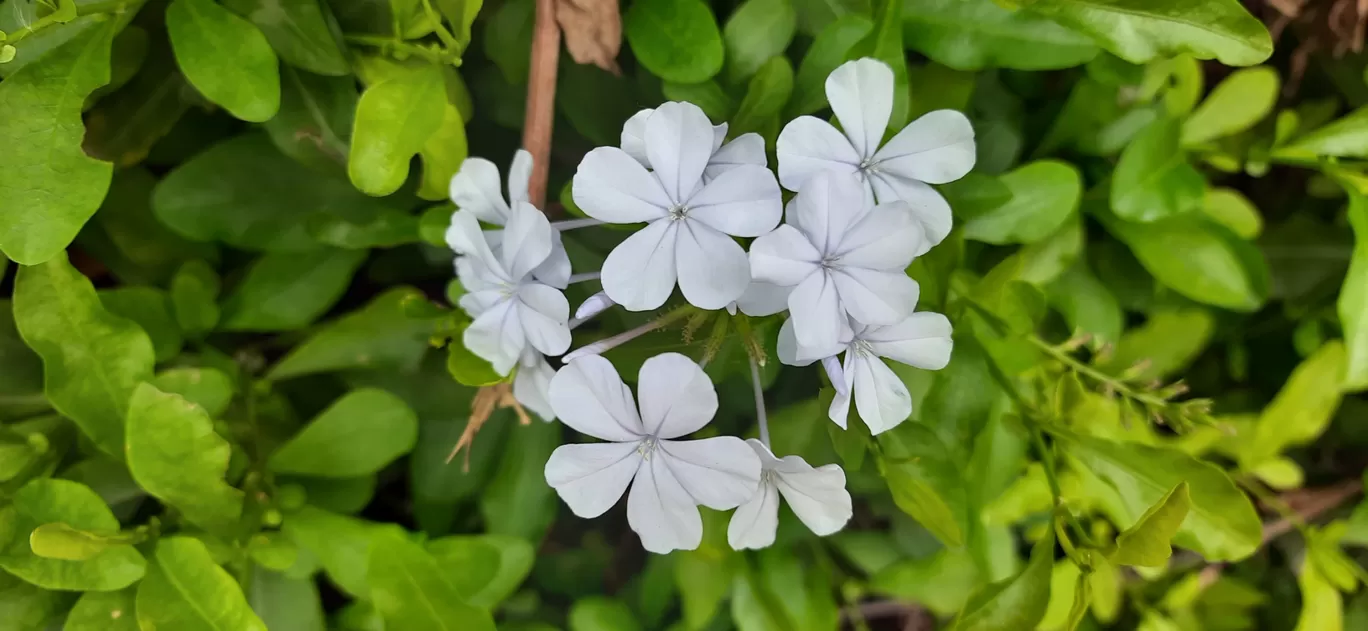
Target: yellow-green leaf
(226, 58)
(1146, 542)
(395, 119)
(1303, 408)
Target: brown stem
(541, 98)
(1308, 504)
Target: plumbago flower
(690, 221)
(512, 310)
(844, 257)
(670, 478)
(744, 149)
(817, 496)
(475, 189)
(934, 149)
(921, 340)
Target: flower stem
(585, 276)
(571, 224)
(760, 415)
(609, 343)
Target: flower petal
(839, 410)
(713, 269)
(927, 205)
(817, 496)
(783, 257)
(497, 336)
(827, 206)
(888, 238)
(475, 189)
(720, 473)
(679, 141)
(936, 148)
(875, 297)
(477, 302)
(639, 273)
(661, 512)
(832, 365)
(794, 354)
(611, 186)
(677, 397)
(754, 523)
(762, 299)
(744, 149)
(816, 311)
(744, 201)
(591, 478)
(588, 395)
(519, 173)
(922, 340)
(526, 241)
(465, 236)
(555, 270)
(809, 146)
(861, 96)
(880, 396)
(634, 136)
(532, 384)
(593, 305)
(544, 312)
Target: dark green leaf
(299, 30)
(225, 57)
(314, 124)
(194, 297)
(129, 239)
(518, 501)
(1153, 180)
(394, 119)
(1044, 194)
(508, 39)
(1086, 304)
(284, 291)
(1016, 603)
(978, 34)
(828, 51)
(409, 590)
(286, 603)
(1140, 31)
(21, 371)
(123, 127)
(50, 501)
(379, 335)
(755, 32)
(339, 495)
(357, 435)
(1198, 259)
(767, 93)
(492, 566)
(150, 309)
(1146, 542)
(707, 95)
(677, 40)
(186, 589)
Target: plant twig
(541, 98)
(1307, 505)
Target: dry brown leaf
(593, 31)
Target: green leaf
(26, 607)
(225, 57)
(1044, 194)
(103, 611)
(341, 544)
(1166, 343)
(247, 194)
(129, 239)
(677, 40)
(508, 39)
(467, 368)
(175, 455)
(1353, 299)
(92, 359)
(1322, 605)
(208, 388)
(925, 480)
(766, 95)
(1016, 603)
(518, 501)
(1346, 137)
(358, 434)
(828, 51)
(339, 495)
(1153, 180)
(283, 602)
(1146, 542)
(599, 613)
(49, 187)
(186, 589)
(1140, 31)
(978, 34)
(408, 588)
(394, 120)
(1086, 304)
(150, 309)
(286, 290)
(1233, 210)
(1234, 105)
(885, 43)
(314, 125)
(194, 296)
(755, 32)
(707, 95)
(1198, 259)
(379, 336)
(433, 479)
(299, 30)
(942, 581)
(1303, 408)
(60, 541)
(597, 102)
(492, 566)
(47, 501)
(1221, 525)
(442, 155)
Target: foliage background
(226, 400)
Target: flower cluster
(863, 210)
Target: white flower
(934, 149)
(686, 239)
(817, 496)
(843, 256)
(744, 149)
(532, 384)
(475, 188)
(922, 340)
(672, 477)
(511, 310)
(761, 299)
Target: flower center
(678, 212)
(862, 347)
(648, 447)
(868, 166)
(767, 476)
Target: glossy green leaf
(1322, 605)
(492, 565)
(314, 124)
(129, 239)
(1234, 105)
(286, 290)
(299, 30)
(1044, 194)
(707, 95)
(339, 495)
(1016, 603)
(150, 309)
(1153, 180)
(677, 40)
(1086, 304)
(49, 187)
(598, 613)
(1146, 542)
(1233, 210)
(186, 589)
(1353, 299)
(61, 541)
(766, 95)
(48, 501)
(394, 120)
(29, 608)
(104, 611)
(408, 588)
(379, 335)
(1198, 259)
(518, 501)
(225, 57)
(175, 455)
(1345, 137)
(828, 51)
(978, 34)
(467, 368)
(925, 481)
(756, 31)
(286, 603)
(1140, 31)
(358, 434)
(92, 359)
(437, 481)
(194, 297)
(885, 43)
(209, 388)
(1165, 344)
(1221, 525)
(1303, 408)
(341, 544)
